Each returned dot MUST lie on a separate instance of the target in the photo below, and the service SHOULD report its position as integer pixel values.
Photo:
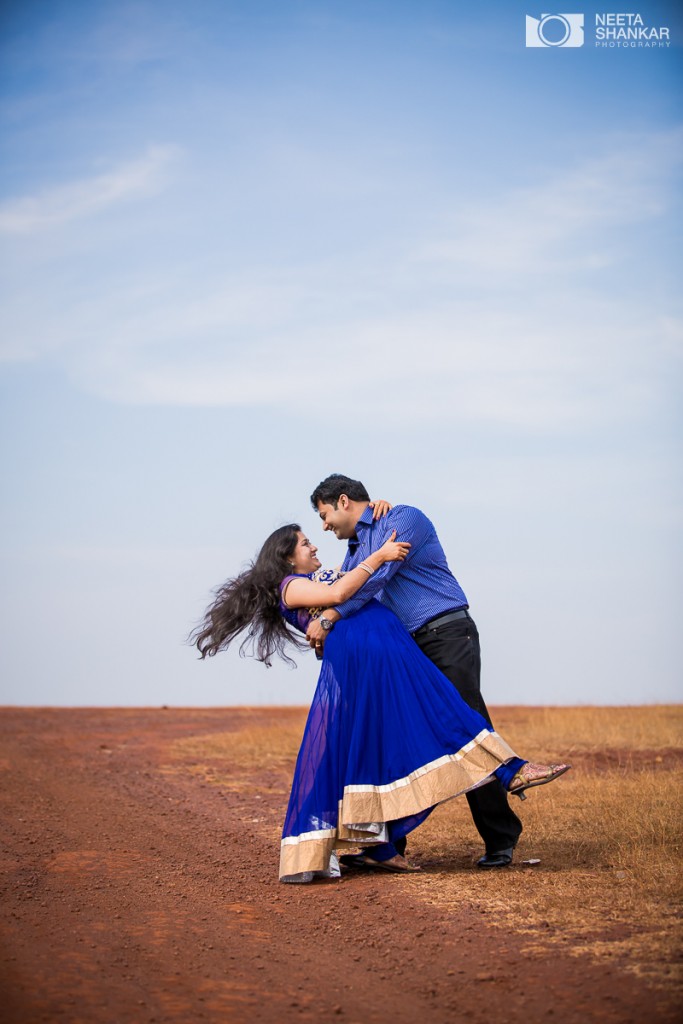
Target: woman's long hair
(252, 600)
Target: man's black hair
(332, 487)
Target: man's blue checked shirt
(417, 590)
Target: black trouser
(454, 648)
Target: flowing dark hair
(252, 600)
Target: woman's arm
(303, 593)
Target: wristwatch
(325, 623)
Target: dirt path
(133, 893)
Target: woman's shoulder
(288, 579)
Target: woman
(387, 737)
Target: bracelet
(368, 569)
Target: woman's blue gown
(387, 738)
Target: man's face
(341, 521)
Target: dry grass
(560, 732)
(609, 835)
(255, 758)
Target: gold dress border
(364, 809)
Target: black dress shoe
(501, 859)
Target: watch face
(325, 623)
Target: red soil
(133, 893)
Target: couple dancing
(397, 724)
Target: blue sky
(246, 244)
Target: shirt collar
(366, 518)
(365, 522)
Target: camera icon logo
(555, 30)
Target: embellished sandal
(531, 775)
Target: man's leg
(454, 648)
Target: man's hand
(315, 634)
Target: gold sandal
(531, 775)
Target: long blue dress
(387, 738)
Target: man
(427, 598)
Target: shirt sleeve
(411, 526)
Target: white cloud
(273, 342)
(436, 338)
(561, 223)
(526, 368)
(61, 204)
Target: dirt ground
(134, 889)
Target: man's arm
(411, 526)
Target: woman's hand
(380, 508)
(394, 550)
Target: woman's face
(303, 557)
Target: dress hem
(431, 784)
